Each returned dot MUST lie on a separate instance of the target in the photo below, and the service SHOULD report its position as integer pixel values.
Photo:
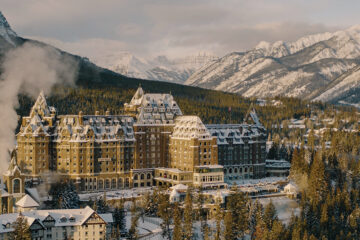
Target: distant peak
(5, 29)
(4, 23)
(355, 28)
(263, 45)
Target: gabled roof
(27, 202)
(190, 127)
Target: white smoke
(28, 70)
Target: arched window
(107, 183)
(16, 185)
(101, 184)
(113, 183)
(135, 177)
(120, 183)
(142, 176)
(148, 176)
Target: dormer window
(63, 219)
(72, 219)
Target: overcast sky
(174, 27)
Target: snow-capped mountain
(7, 36)
(159, 68)
(299, 69)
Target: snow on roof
(235, 133)
(4, 193)
(291, 187)
(174, 194)
(190, 127)
(62, 217)
(157, 108)
(101, 127)
(33, 192)
(179, 187)
(27, 202)
(107, 217)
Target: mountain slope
(159, 68)
(296, 69)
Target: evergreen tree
(238, 206)
(164, 212)
(101, 204)
(218, 218)
(270, 215)
(276, 232)
(64, 195)
(228, 223)
(201, 213)
(188, 215)
(21, 229)
(317, 180)
(177, 232)
(119, 218)
(133, 232)
(150, 203)
(255, 213)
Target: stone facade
(150, 141)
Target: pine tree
(177, 232)
(238, 206)
(188, 215)
(276, 232)
(133, 232)
(255, 213)
(21, 229)
(270, 215)
(119, 218)
(164, 212)
(101, 205)
(228, 223)
(317, 180)
(218, 218)
(201, 213)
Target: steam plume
(28, 70)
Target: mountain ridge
(295, 69)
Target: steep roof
(27, 202)
(190, 127)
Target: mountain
(99, 89)
(160, 68)
(303, 68)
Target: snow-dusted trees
(64, 195)
(133, 232)
(188, 215)
(21, 229)
(165, 213)
(177, 231)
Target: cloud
(28, 69)
(156, 27)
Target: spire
(136, 100)
(40, 107)
(251, 116)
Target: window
(16, 185)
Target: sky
(175, 28)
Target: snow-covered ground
(117, 194)
(267, 180)
(284, 207)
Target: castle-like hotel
(153, 143)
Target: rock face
(8, 38)
(304, 68)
